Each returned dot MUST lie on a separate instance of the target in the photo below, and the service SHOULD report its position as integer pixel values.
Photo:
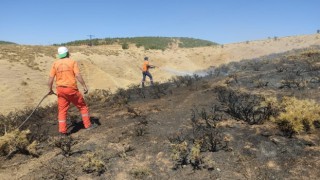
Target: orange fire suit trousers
(65, 96)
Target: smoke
(176, 72)
(187, 73)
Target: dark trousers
(144, 74)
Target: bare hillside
(24, 69)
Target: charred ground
(212, 127)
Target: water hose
(34, 109)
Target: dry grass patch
(91, 163)
(17, 142)
(297, 115)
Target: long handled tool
(34, 110)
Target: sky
(45, 22)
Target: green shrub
(125, 46)
(192, 42)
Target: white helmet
(62, 52)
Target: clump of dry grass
(17, 142)
(195, 157)
(297, 115)
(180, 152)
(91, 163)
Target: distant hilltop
(6, 42)
(157, 43)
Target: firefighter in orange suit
(66, 72)
(145, 71)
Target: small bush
(120, 98)
(176, 81)
(63, 143)
(141, 130)
(293, 82)
(140, 172)
(244, 105)
(59, 168)
(180, 152)
(183, 80)
(281, 68)
(204, 137)
(23, 83)
(125, 46)
(259, 83)
(134, 90)
(195, 157)
(98, 95)
(92, 164)
(297, 115)
(159, 89)
(185, 153)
